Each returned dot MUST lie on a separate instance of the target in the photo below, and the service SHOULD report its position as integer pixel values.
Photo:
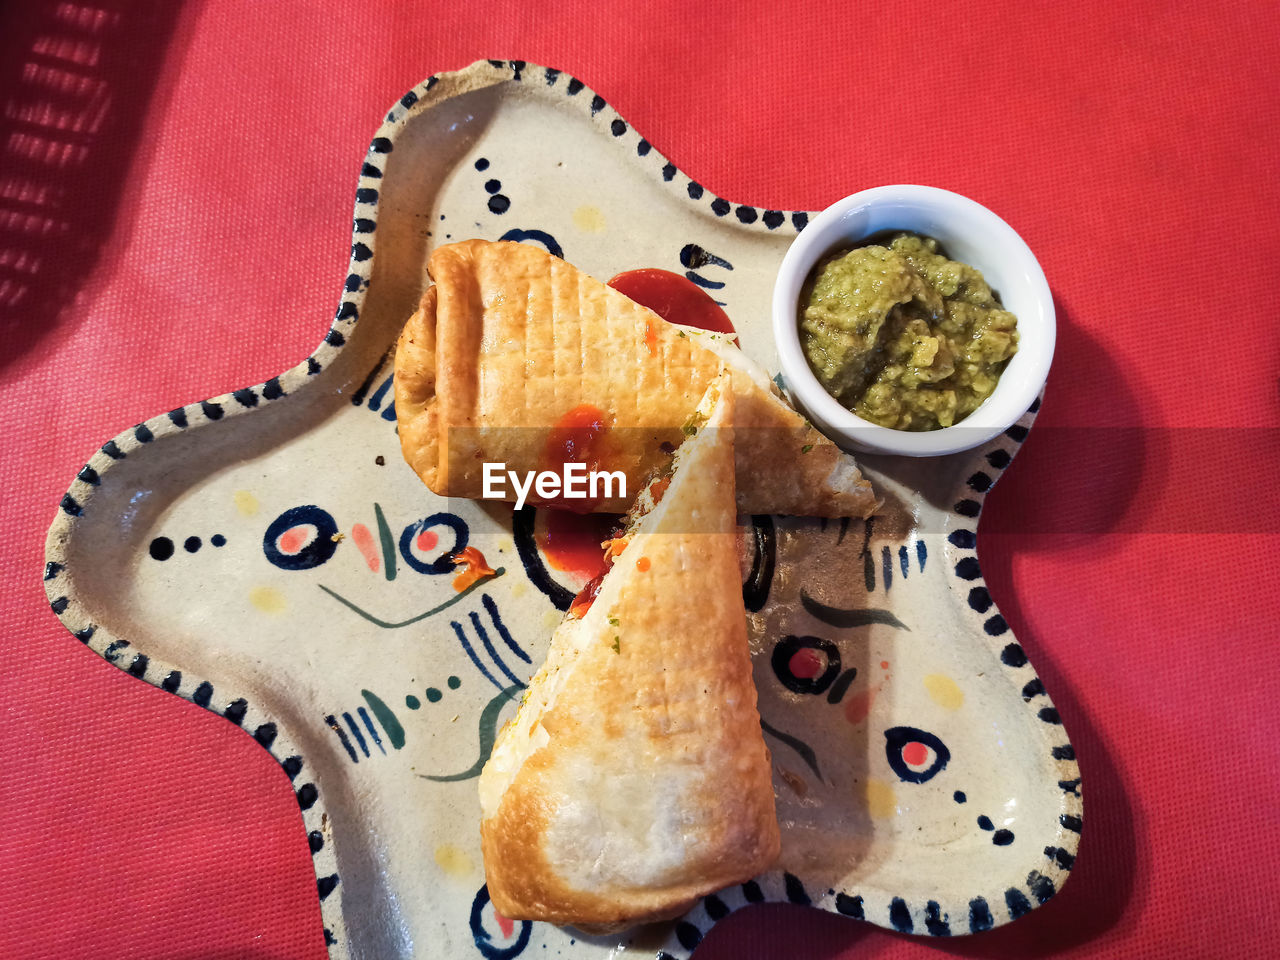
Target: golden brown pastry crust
(636, 779)
(510, 339)
(417, 408)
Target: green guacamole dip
(902, 336)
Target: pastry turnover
(634, 778)
(515, 356)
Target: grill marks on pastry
(548, 338)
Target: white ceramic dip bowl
(969, 233)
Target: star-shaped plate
(268, 555)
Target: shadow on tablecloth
(77, 82)
(1069, 489)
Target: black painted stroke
(795, 743)
(514, 647)
(336, 727)
(483, 634)
(840, 617)
(522, 523)
(755, 592)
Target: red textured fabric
(175, 199)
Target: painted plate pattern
(267, 555)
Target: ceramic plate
(268, 555)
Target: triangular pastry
(634, 778)
(510, 344)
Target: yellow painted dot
(588, 219)
(267, 599)
(519, 589)
(246, 502)
(454, 860)
(551, 619)
(943, 690)
(882, 803)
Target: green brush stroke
(388, 546)
(387, 625)
(488, 733)
(395, 732)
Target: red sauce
(577, 437)
(586, 597)
(651, 336)
(570, 542)
(674, 298)
(476, 567)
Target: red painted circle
(294, 539)
(807, 663)
(915, 753)
(427, 541)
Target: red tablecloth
(176, 187)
